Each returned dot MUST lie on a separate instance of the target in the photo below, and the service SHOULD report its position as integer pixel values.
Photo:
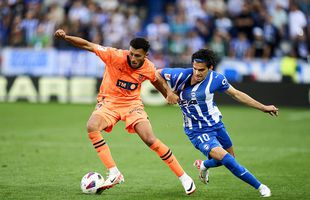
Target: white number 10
(204, 138)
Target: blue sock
(211, 163)
(230, 163)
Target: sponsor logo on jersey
(185, 103)
(126, 85)
(224, 81)
(193, 95)
(136, 110)
(167, 76)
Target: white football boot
(112, 180)
(188, 184)
(203, 174)
(264, 191)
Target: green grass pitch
(45, 151)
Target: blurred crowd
(240, 29)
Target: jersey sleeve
(150, 73)
(104, 53)
(176, 77)
(220, 83)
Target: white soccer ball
(91, 182)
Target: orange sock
(167, 156)
(102, 149)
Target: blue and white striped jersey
(200, 112)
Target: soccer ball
(91, 182)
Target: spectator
(297, 21)
(177, 45)
(240, 47)
(244, 22)
(301, 46)
(29, 25)
(234, 7)
(179, 25)
(259, 47)
(157, 33)
(41, 39)
(280, 20)
(218, 45)
(222, 23)
(56, 14)
(193, 41)
(17, 34)
(80, 12)
(271, 35)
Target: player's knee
(218, 153)
(150, 141)
(92, 126)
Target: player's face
(200, 71)
(136, 57)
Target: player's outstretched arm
(249, 101)
(76, 41)
(161, 85)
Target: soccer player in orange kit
(119, 99)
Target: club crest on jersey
(140, 78)
(193, 95)
(126, 85)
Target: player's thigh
(145, 132)
(218, 153)
(134, 115)
(96, 123)
(102, 118)
(206, 142)
(223, 138)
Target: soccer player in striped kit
(194, 89)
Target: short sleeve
(147, 71)
(166, 73)
(219, 83)
(176, 77)
(151, 73)
(104, 53)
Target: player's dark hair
(205, 56)
(140, 43)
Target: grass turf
(45, 151)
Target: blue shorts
(209, 140)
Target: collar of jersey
(182, 84)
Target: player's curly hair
(205, 55)
(140, 43)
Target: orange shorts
(132, 114)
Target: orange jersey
(120, 82)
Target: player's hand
(172, 98)
(60, 33)
(272, 110)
